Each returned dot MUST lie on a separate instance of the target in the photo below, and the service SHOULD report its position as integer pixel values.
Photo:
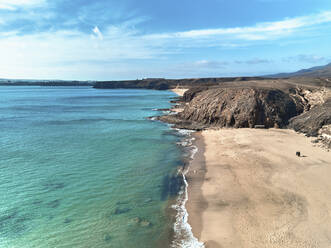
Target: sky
(130, 39)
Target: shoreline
(184, 236)
(248, 189)
(179, 91)
(195, 176)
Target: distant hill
(317, 71)
(28, 82)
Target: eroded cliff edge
(304, 107)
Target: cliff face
(313, 120)
(237, 107)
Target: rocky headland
(303, 106)
(299, 103)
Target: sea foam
(184, 237)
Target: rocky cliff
(237, 107)
(304, 109)
(312, 121)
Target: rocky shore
(246, 186)
(305, 107)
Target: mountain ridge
(316, 71)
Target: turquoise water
(82, 167)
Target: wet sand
(247, 188)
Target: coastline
(248, 189)
(179, 91)
(195, 176)
(191, 142)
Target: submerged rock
(67, 220)
(52, 186)
(121, 210)
(136, 220)
(171, 185)
(145, 223)
(141, 222)
(54, 204)
(107, 238)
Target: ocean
(83, 167)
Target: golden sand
(248, 189)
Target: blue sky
(129, 39)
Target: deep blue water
(82, 167)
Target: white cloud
(209, 64)
(261, 31)
(47, 55)
(14, 4)
(253, 61)
(51, 53)
(97, 33)
(307, 58)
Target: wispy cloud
(261, 31)
(307, 58)
(53, 50)
(254, 61)
(210, 64)
(14, 4)
(97, 33)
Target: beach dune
(248, 189)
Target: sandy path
(252, 191)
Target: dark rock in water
(142, 222)
(145, 223)
(54, 204)
(122, 203)
(107, 238)
(121, 210)
(163, 109)
(8, 217)
(136, 220)
(171, 186)
(13, 224)
(37, 202)
(52, 186)
(67, 220)
(149, 200)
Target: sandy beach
(248, 189)
(179, 91)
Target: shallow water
(82, 167)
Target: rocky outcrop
(313, 120)
(192, 92)
(237, 107)
(325, 136)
